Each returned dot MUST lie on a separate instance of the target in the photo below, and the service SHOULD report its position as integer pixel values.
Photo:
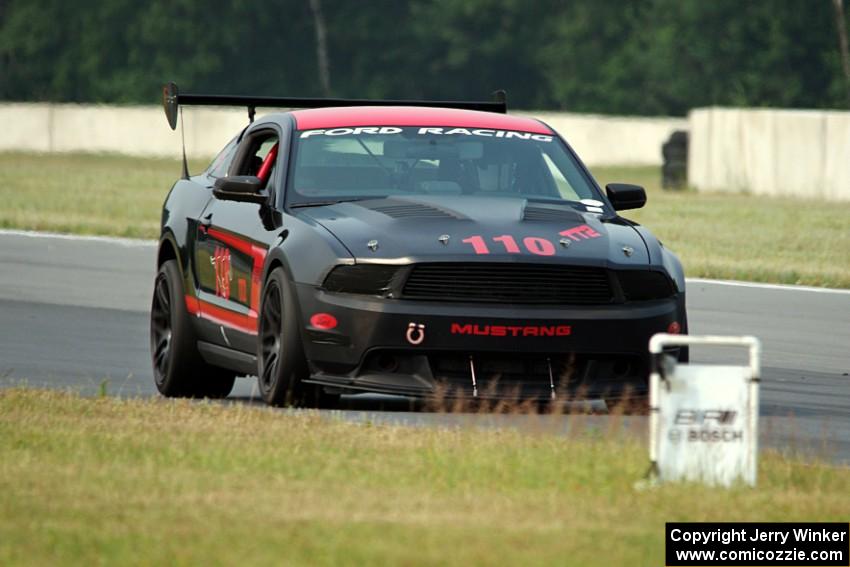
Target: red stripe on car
(239, 321)
(311, 119)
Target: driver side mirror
(241, 188)
(624, 196)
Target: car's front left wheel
(280, 359)
(280, 356)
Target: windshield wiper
(325, 203)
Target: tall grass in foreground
(104, 480)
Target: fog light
(387, 362)
(323, 321)
(674, 328)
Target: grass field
(744, 237)
(716, 235)
(85, 193)
(106, 481)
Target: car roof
(351, 116)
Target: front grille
(510, 283)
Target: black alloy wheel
(161, 328)
(270, 337)
(282, 366)
(178, 369)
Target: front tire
(178, 369)
(281, 362)
(280, 358)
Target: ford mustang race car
(404, 247)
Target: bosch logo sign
(709, 426)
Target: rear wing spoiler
(172, 99)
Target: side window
(259, 156)
(221, 163)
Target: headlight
(367, 279)
(643, 285)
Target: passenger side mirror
(242, 188)
(624, 196)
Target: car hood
(453, 228)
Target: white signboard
(704, 421)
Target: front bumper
(424, 348)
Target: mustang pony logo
(223, 274)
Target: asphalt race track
(74, 315)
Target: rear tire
(178, 369)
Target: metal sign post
(703, 418)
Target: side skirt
(228, 358)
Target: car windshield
(365, 162)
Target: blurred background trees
(658, 57)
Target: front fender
(661, 257)
(307, 251)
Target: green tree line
(650, 57)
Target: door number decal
(533, 244)
(223, 273)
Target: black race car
(404, 247)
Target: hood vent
(410, 210)
(537, 213)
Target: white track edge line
(85, 238)
(782, 287)
(143, 243)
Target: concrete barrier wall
(614, 140)
(130, 130)
(802, 153)
(799, 153)
(143, 131)
(25, 127)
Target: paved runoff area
(74, 315)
